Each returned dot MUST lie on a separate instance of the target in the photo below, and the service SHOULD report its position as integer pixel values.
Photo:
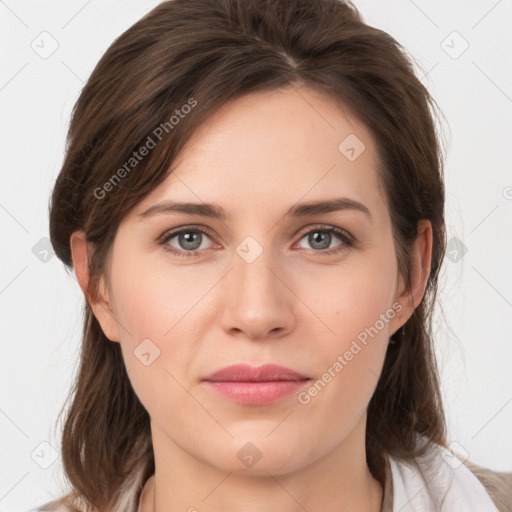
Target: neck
(339, 480)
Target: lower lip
(256, 393)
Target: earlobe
(99, 301)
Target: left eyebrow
(299, 210)
(332, 205)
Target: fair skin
(294, 305)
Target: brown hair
(204, 53)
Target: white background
(41, 304)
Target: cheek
(149, 299)
(155, 308)
(351, 296)
(159, 311)
(357, 304)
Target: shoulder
(128, 496)
(497, 484)
(436, 480)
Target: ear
(81, 250)
(421, 258)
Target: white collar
(437, 482)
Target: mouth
(256, 385)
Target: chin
(259, 457)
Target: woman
(229, 362)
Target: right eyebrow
(203, 209)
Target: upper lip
(247, 373)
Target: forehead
(275, 148)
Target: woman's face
(260, 286)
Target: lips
(253, 386)
(247, 373)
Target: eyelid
(189, 227)
(326, 227)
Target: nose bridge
(257, 302)
(253, 277)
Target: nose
(257, 299)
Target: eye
(321, 237)
(189, 240)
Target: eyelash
(348, 240)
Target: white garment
(437, 482)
